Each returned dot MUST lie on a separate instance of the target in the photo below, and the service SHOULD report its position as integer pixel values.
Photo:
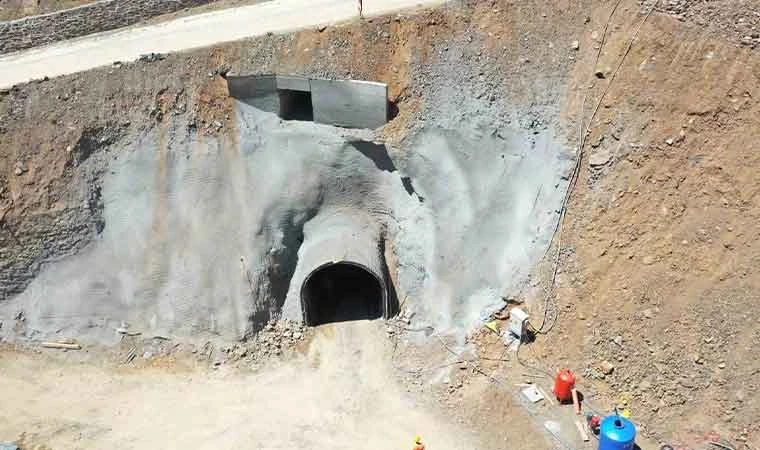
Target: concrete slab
(293, 83)
(350, 103)
(259, 91)
(250, 86)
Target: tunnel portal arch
(343, 291)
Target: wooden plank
(576, 402)
(62, 345)
(582, 431)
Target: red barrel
(563, 385)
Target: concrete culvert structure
(341, 273)
(340, 292)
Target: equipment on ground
(593, 423)
(616, 433)
(518, 322)
(564, 385)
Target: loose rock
(606, 367)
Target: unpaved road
(340, 394)
(185, 33)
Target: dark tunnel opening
(341, 292)
(295, 105)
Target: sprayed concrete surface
(339, 394)
(203, 237)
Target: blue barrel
(616, 433)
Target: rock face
(93, 18)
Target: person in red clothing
(418, 445)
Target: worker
(418, 445)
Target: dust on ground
(343, 389)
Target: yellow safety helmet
(418, 439)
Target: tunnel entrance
(341, 292)
(295, 105)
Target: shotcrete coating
(213, 236)
(340, 235)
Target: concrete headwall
(92, 18)
(344, 103)
(350, 103)
(257, 90)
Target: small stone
(648, 313)
(599, 158)
(669, 141)
(698, 359)
(599, 74)
(606, 367)
(575, 45)
(648, 260)
(618, 340)
(147, 355)
(19, 169)
(722, 366)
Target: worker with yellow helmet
(418, 445)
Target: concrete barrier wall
(259, 91)
(344, 103)
(91, 18)
(350, 103)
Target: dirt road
(341, 392)
(185, 33)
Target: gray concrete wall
(350, 103)
(344, 103)
(91, 18)
(293, 83)
(259, 91)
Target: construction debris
(532, 394)
(67, 345)
(131, 355)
